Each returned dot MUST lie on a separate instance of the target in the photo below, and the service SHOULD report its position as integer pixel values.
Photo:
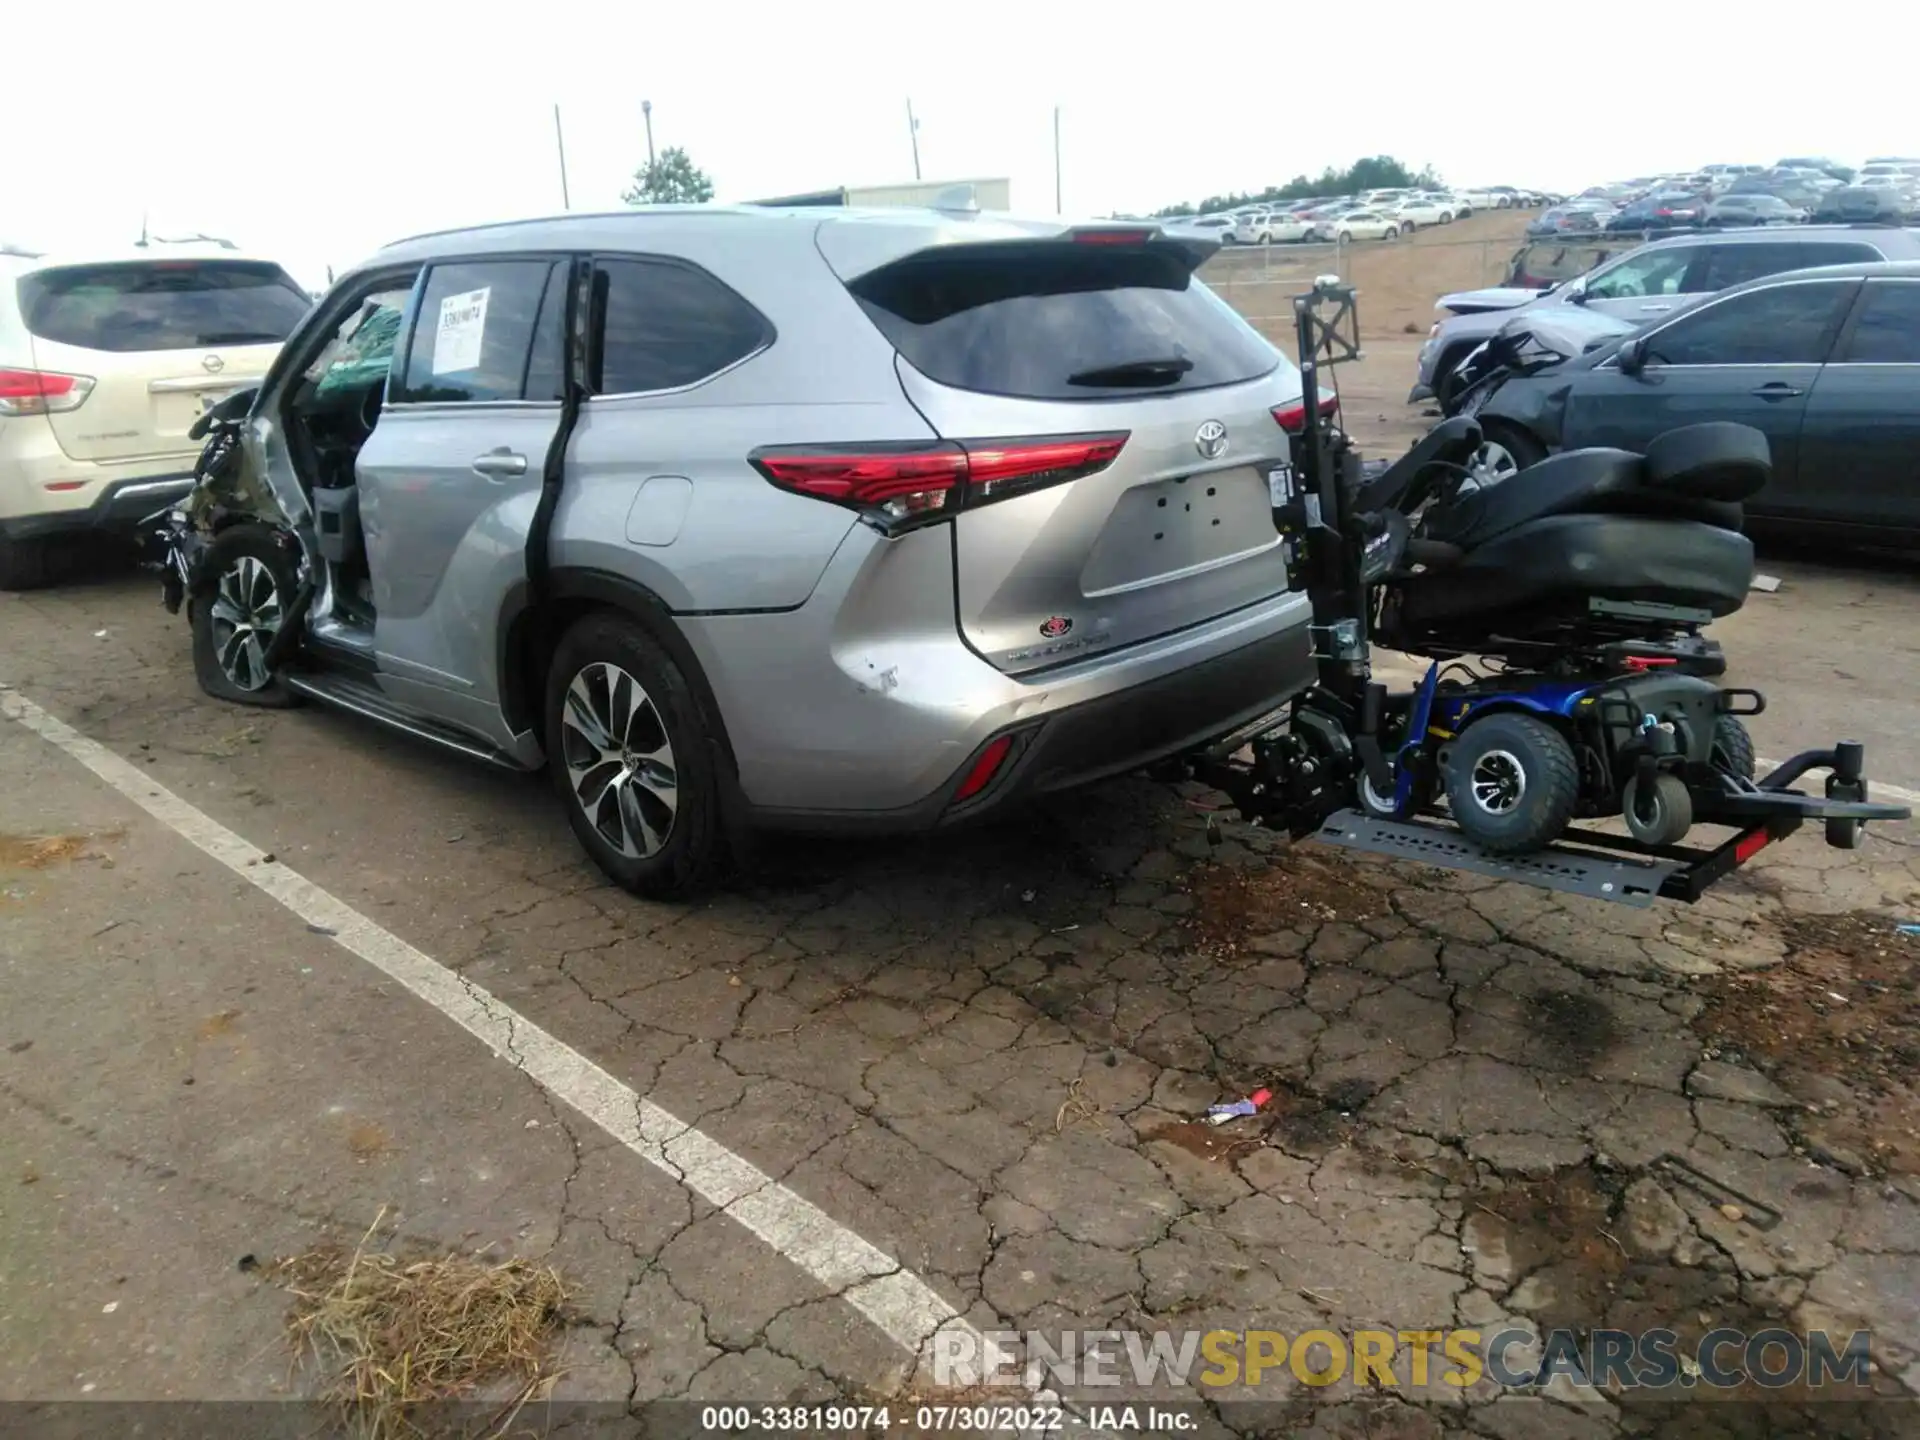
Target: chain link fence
(1261, 281)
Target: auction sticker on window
(463, 325)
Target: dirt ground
(267, 978)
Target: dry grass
(397, 1334)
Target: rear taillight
(984, 769)
(896, 487)
(1292, 417)
(41, 392)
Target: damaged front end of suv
(227, 489)
(1526, 345)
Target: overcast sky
(320, 139)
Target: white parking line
(902, 1305)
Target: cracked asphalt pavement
(985, 1055)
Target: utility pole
(646, 113)
(913, 134)
(560, 143)
(1058, 208)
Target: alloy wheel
(1498, 782)
(247, 611)
(1493, 462)
(619, 760)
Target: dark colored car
(1662, 210)
(1825, 362)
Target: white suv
(106, 359)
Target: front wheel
(634, 760)
(1446, 217)
(238, 616)
(1346, 237)
(1657, 814)
(1505, 450)
(1512, 783)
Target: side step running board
(357, 697)
(1629, 879)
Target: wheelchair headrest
(1718, 460)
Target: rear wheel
(1733, 748)
(633, 760)
(26, 564)
(1346, 237)
(1446, 217)
(1512, 783)
(237, 618)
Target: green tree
(1375, 172)
(672, 179)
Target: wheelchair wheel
(1380, 807)
(1659, 814)
(1732, 751)
(1512, 783)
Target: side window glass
(1888, 330)
(1657, 273)
(664, 325)
(1780, 325)
(362, 348)
(474, 337)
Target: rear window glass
(163, 305)
(1061, 321)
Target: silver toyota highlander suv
(749, 518)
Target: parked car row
(1371, 215)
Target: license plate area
(1175, 526)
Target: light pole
(1058, 208)
(560, 144)
(913, 133)
(646, 113)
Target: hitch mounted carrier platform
(1605, 866)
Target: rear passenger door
(451, 474)
(1751, 358)
(1860, 443)
(1647, 284)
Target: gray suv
(1650, 281)
(744, 518)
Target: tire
(1346, 237)
(251, 580)
(1446, 217)
(26, 564)
(1662, 814)
(1733, 748)
(1380, 807)
(1522, 447)
(607, 667)
(1512, 783)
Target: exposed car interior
(330, 415)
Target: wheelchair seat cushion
(1594, 481)
(1718, 460)
(1542, 574)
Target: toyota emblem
(1211, 440)
(1054, 626)
(213, 364)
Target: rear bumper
(1116, 733)
(115, 508)
(864, 710)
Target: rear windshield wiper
(1135, 372)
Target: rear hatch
(160, 339)
(1100, 337)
